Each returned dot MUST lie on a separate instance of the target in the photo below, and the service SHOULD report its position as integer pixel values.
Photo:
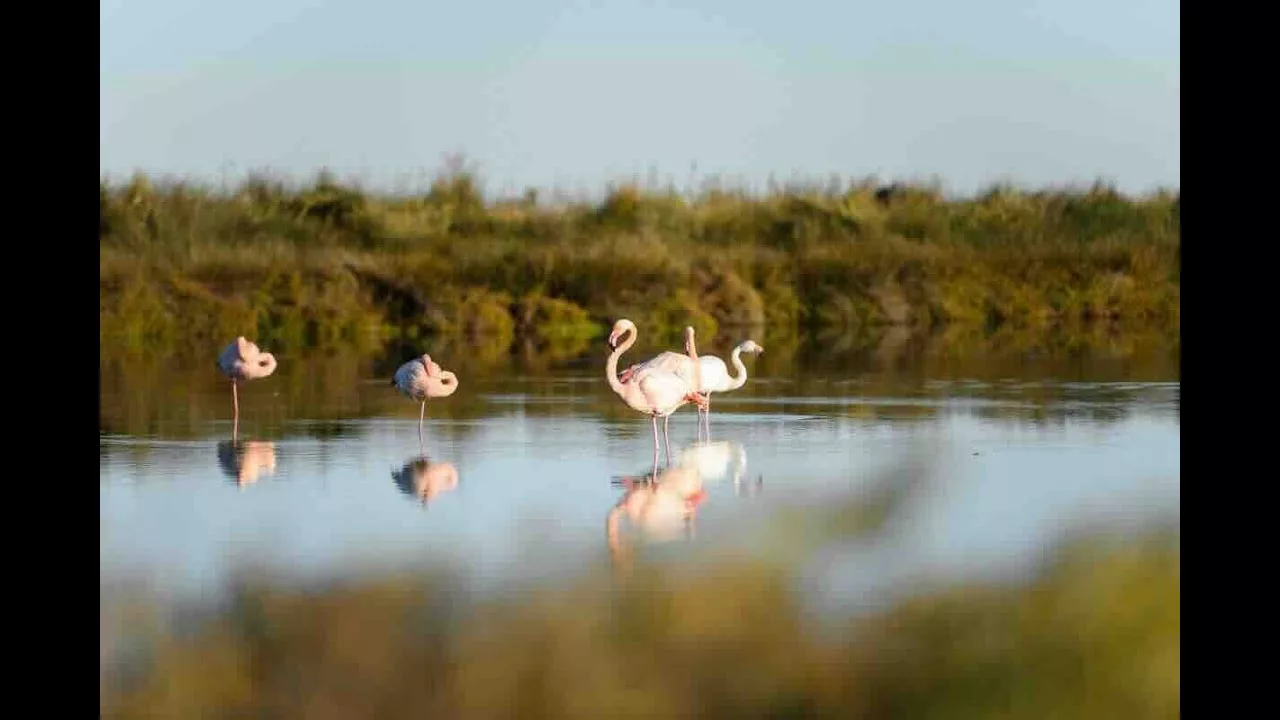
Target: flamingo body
(708, 371)
(421, 379)
(242, 361)
(651, 390)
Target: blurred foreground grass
(329, 265)
(1095, 634)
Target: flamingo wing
(664, 391)
(715, 374)
(410, 379)
(670, 362)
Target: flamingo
(421, 378)
(714, 376)
(242, 360)
(654, 392)
(710, 371)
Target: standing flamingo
(242, 360)
(422, 378)
(654, 392)
(714, 376)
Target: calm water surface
(520, 471)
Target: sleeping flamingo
(242, 360)
(654, 392)
(420, 379)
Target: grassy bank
(326, 264)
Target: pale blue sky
(574, 93)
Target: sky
(575, 94)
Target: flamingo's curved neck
(691, 348)
(741, 378)
(611, 365)
(449, 382)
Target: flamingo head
(750, 346)
(619, 329)
(689, 346)
(433, 369)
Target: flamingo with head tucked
(421, 378)
(243, 361)
(652, 391)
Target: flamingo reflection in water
(717, 460)
(247, 460)
(420, 478)
(664, 506)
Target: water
(523, 468)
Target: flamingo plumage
(421, 379)
(714, 375)
(652, 391)
(242, 361)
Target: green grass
(324, 264)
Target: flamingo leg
(235, 404)
(655, 445)
(667, 438)
(421, 414)
(708, 420)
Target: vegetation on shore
(326, 264)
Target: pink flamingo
(654, 392)
(420, 379)
(714, 376)
(242, 360)
(711, 374)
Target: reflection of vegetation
(329, 265)
(1096, 635)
